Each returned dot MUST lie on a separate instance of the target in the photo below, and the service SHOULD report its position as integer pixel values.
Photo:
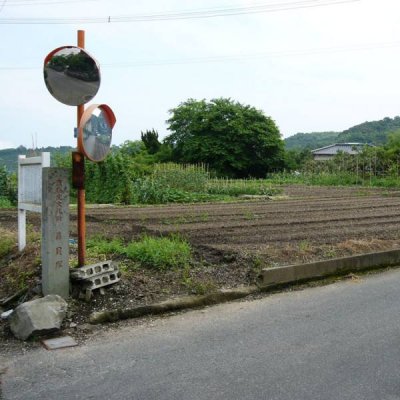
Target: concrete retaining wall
(301, 272)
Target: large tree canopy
(234, 139)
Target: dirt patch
(231, 243)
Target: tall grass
(237, 187)
(150, 252)
(177, 183)
(185, 177)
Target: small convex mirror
(71, 75)
(95, 132)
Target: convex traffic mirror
(71, 75)
(95, 132)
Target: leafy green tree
(296, 159)
(164, 154)
(8, 186)
(392, 147)
(233, 139)
(4, 185)
(150, 140)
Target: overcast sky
(311, 65)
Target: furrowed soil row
(265, 221)
(258, 217)
(328, 236)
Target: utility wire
(19, 3)
(238, 57)
(254, 56)
(180, 15)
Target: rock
(38, 316)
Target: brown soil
(231, 241)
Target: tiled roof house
(328, 152)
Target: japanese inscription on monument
(55, 232)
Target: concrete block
(97, 275)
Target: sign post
(72, 77)
(29, 190)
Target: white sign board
(29, 190)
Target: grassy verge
(150, 252)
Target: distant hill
(311, 141)
(374, 132)
(9, 157)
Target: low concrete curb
(271, 277)
(267, 280)
(172, 305)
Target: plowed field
(311, 223)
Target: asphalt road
(337, 342)
(70, 90)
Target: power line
(238, 57)
(181, 15)
(19, 3)
(255, 56)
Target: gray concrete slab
(59, 343)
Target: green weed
(7, 242)
(304, 246)
(204, 217)
(159, 253)
(32, 235)
(98, 247)
(5, 202)
(249, 215)
(330, 253)
(196, 286)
